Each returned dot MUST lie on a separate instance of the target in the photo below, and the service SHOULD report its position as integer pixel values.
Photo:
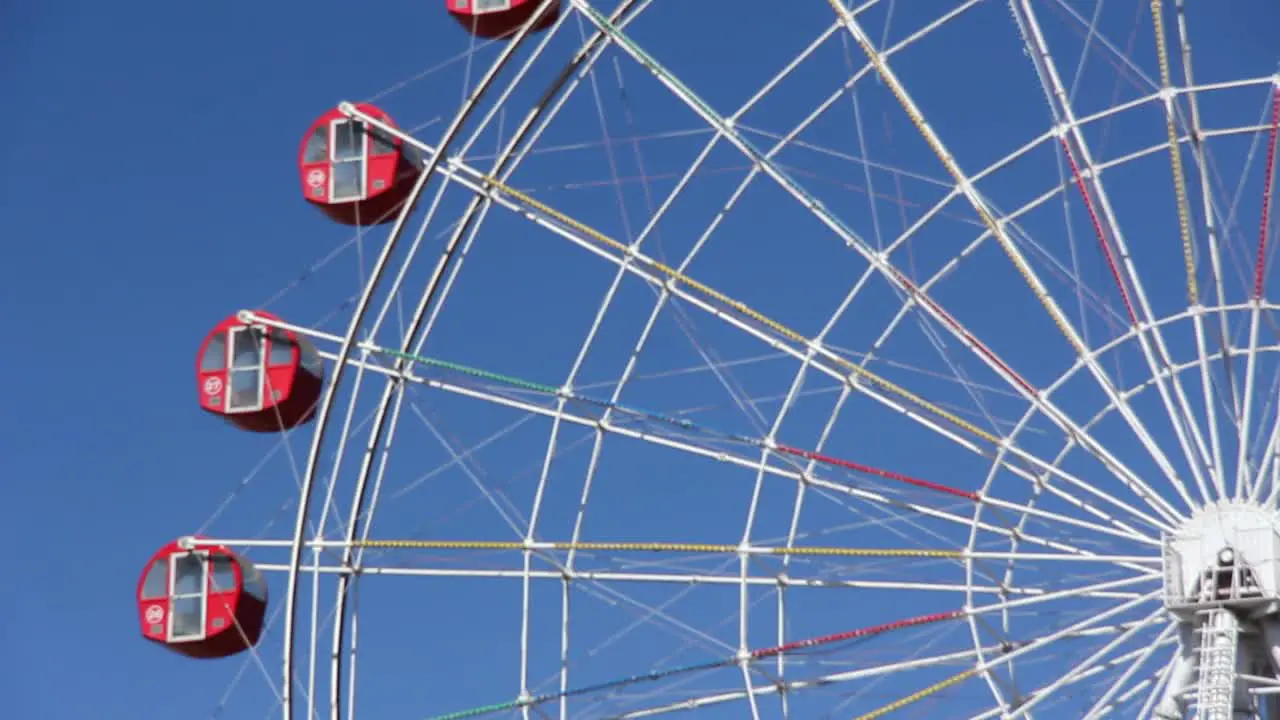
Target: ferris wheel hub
(1222, 582)
(1227, 555)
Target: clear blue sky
(150, 190)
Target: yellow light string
(738, 306)
(918, 696)
(1175, 156)
(962, 181)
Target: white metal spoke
(1087, 665)
(1065, 116)
(773, 469)
(1141, 488)
(1104, 703)
(1213, 239)
(605, 425)
(1133, 658)
(462, 174)
(965, 183)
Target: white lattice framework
(1053, 574)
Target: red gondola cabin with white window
(496, 18)
(353, 175)
(257, 378)
(203, 602)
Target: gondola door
(188, 596)
(348, 160)
(246, 370)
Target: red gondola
(495, 18)
(205, 602)
(354, 176)
(257, 378)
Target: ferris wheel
(811, 360)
